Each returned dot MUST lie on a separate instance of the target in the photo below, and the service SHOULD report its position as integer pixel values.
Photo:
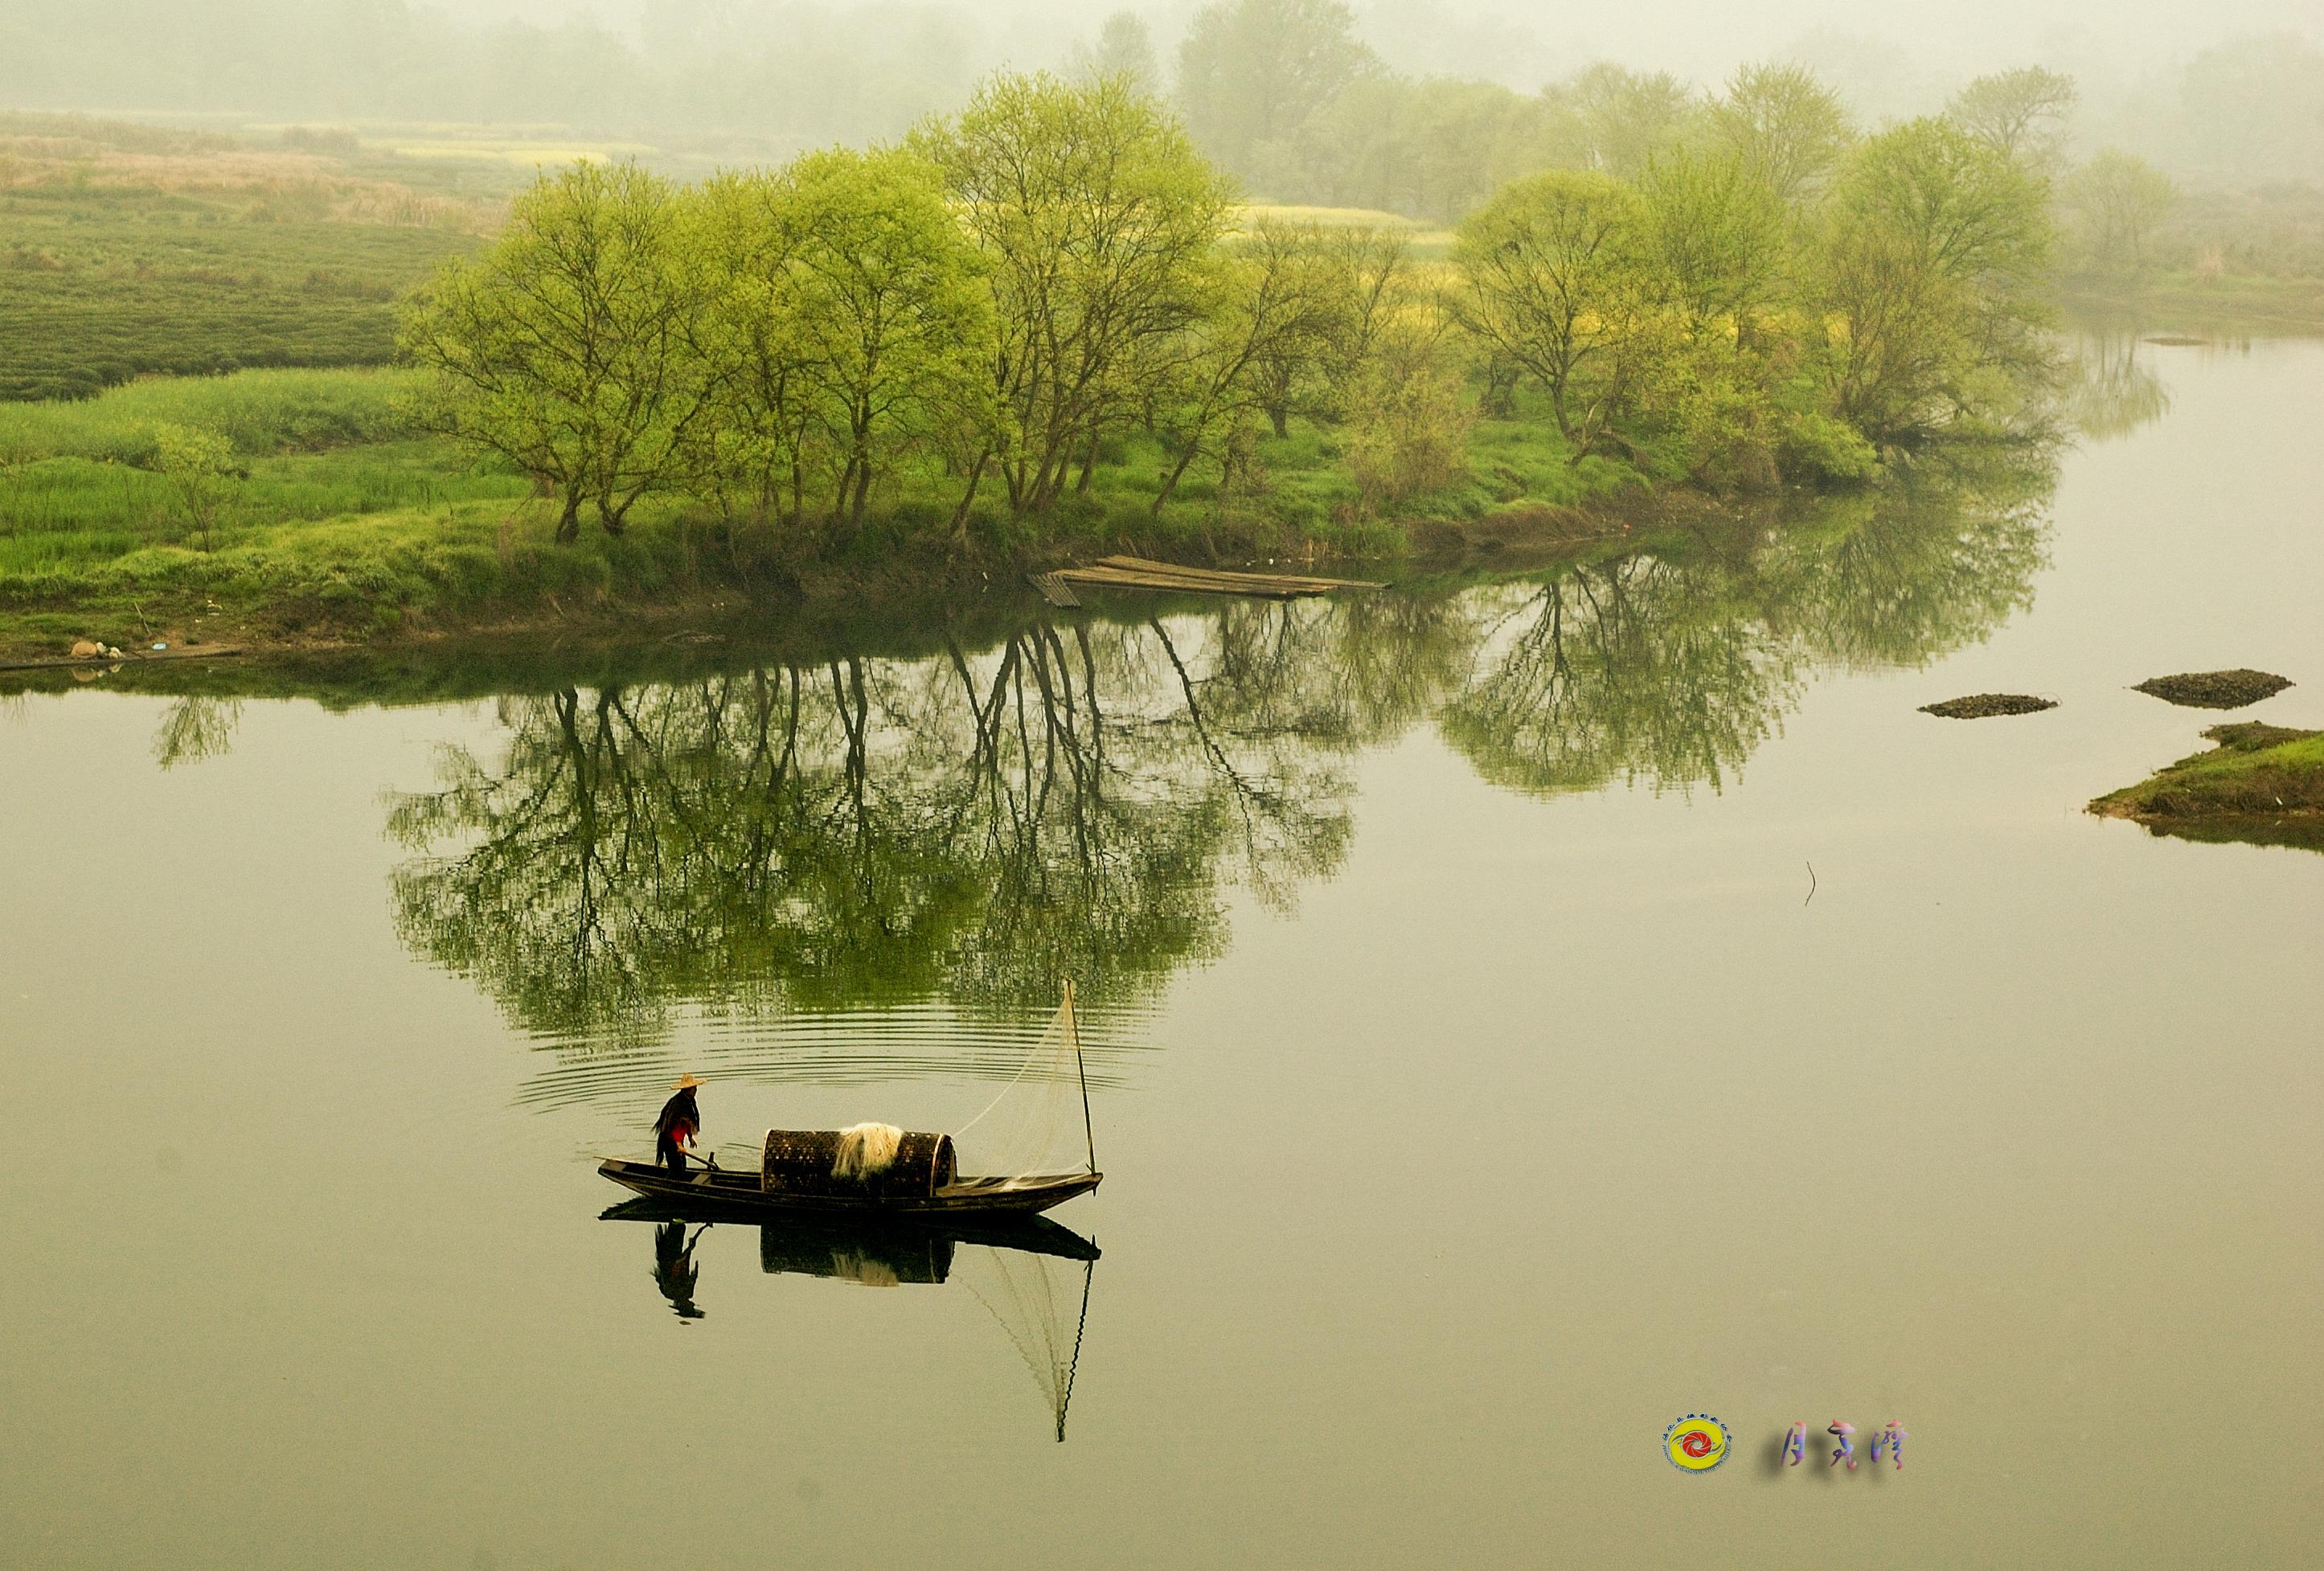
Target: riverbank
(2262, 785)
(2233, 305)
(323, 520)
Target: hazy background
(2235, 90)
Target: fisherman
(675, 1130)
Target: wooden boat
(813, 1171)
(740, 1194)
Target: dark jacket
(679, 1114)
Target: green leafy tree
(1097, 222)
(759, 445)
(1926, 273)
(1555, 274)
(1124, 47)
(1370, 278)
(1432, 148)
(564, 348)
(1607, 118)
(1409, 415)
(890, 320)
(1787, 127)
(198, 464)
(1716, 234)
(1251, 71)
(2020, 114)
(2114, 205)
(1283, 296)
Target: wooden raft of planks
(1170, 578)
(127, 657)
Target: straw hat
(685, 1082)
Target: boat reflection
(1030, 1274)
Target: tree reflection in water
(869, 832)
(2112, 392)
(1079, 799)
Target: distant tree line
(971, 322)
(1287, 81)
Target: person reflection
(675, 1272)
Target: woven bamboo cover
(799, 1161)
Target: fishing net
(1038, 1126)
(1042, 1302)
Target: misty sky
(1931, 44)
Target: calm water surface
(1520, 1016)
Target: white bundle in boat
(866, 1151)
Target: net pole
(1073, 1030)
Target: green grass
(260, 411)
(2262, 784)
(339, 520)
(101, 284)
(2232, 304)
(80, 492)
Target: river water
(1521, 1013)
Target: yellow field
(524, 154)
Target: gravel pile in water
(1979, 705)
(2215, 690)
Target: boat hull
(742, 1194)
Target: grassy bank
(130, 251)
(2262, 785)
(2257, 305)
(333, 521)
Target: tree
(198, 464)
(758, 442)
(564, 347)
(1553, 274)
(1282, 295)
(1371, 268)
(1931, 245)
(1408, 413)
(1715, 231)
(891, 321)
(2251, 109)
(1123, 48)
(1612, 120)
(1432, 148)
(1251, 71)
(1096, 221)
(1787, 127)
(2114, 205)
(2021, 115)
